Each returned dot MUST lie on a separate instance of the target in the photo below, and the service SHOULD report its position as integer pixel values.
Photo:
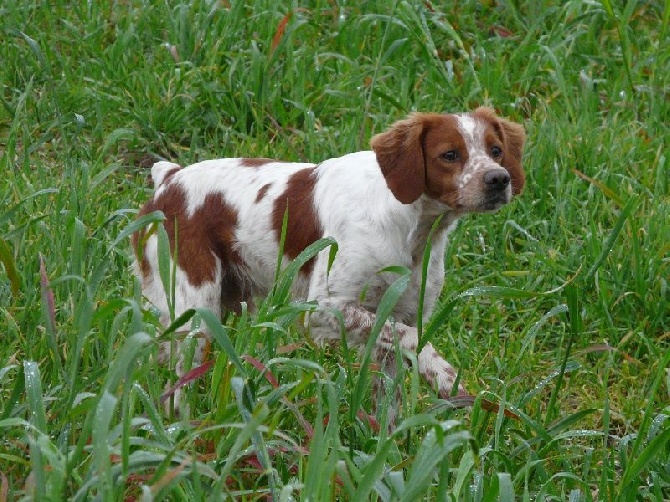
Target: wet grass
(557, 306)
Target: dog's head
(468, 161)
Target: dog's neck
(429, 212)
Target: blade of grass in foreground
(49, 314)
(575, 330)
(101, 447)
(39, 421)
(286, 277)
(373, 471)
(34, 396)
(424, 275)
(124, 361)
(611, 239)
(436, 446)
(251, 426)
(325, 444)
(220, 334)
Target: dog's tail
(162, 170)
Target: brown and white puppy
(226, 216)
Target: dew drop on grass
(449, 65)
(32, 374)
(342, 17)
(476, 484)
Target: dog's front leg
(432, 366)
(357, 323)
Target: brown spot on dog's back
(303, 227)
(255, 162)
(262, 192)
(207, 234)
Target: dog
(224, 221)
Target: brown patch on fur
(303, 227)
(208, 234)
(255, 162)
(262, 192)
(513, 137)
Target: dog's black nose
(496, 179)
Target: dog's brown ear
(400, 156)
(514, 137)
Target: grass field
(560, 302)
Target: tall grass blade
(611, 239)
(39, 421)
(167, 266)
(219, 333)
(573, 334)
(372, 472)
(49, 314)
(287, 276)
(101, 446)
(653, 451)
(250, 428)
(437, 444)
(34, 396)
(124, 363)
(325, 442)
(137, 225)
(424, 275)
(506, 490)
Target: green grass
(558, 306)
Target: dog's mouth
(493, 202)
(487, 205)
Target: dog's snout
(496, 179)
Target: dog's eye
(496, 152)
(450, 156)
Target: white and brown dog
(378, 205)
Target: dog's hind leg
(173, 300)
